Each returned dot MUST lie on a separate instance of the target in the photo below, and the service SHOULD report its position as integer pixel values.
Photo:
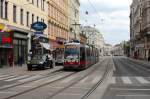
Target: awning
(46, 46)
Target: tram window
(82, 53)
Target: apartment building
(58, 27)
(140, 29)
(74, 19)
(16, 16)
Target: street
(130, 80)
(111, 78)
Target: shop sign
(5, 39)
(39, 26)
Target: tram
(79, 56)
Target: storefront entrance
(20, 48)
(4, 55)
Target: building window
(32, 1)
(6, 10)
(37, 3)
(28, 19)
(32, 18)
(43, 5)
(21, 16)
(14, 13)
(37, 18)
(1, 8)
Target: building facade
(94, 37)
(58, 25)
(140, 29)
(16, 17)
(74, 19)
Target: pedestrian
(10, 59)
(30, 55)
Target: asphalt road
(45, 84)
(130, 80)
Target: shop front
(6, 47)
(13, 46)
(20, 49)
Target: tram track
(44, 76)
(52, 82)
(42, 85)
(75, 82)
(92, 89)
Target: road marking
(71, 94)
(26, 86)
(2, 92)
(3, 76)
(7, 77)
(20, 77)
(96, 79)
(113, 80)
(30, 78)
(83, 80)
(142, 80)
(68, 79)
(133, 95)
(126, 80)
(126, 89)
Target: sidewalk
(140, 61)
(22, 70)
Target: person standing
(10, 59)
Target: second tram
(80, 56)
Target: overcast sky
(111, 18)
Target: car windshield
(37, 57)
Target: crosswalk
(87, 80)
(19, 78)
(130, 80)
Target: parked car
(40, 62)
(59, 59)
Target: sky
(111, 17)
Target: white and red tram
(79, 56)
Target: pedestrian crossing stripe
(130, 80)
(16, 78)
(142, 80)
(87, 80)
(8, 77)
(126, 80)
(30, 78)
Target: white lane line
(126, 89)
(113, 80)
(84, 80)
(20, 77)
(126, 80)
(142, 80)
(7, 77)
(30, 78)
(68, 79)
(4, 76)
(2, 92)
(96, 79)
(133, 95)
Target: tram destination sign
(39, 26)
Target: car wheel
(43, 67)
(29, 67)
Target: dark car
(39, 62)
